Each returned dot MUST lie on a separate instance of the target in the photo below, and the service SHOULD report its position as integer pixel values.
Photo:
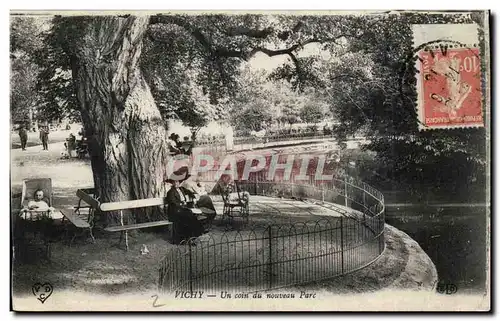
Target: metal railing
(282, 255)
(269, 137)
(271, 256)
(255, 142)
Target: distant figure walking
(23, 135)
(44, 137)
(71, 144)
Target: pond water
(453, 237)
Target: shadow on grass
(102, 267)
(28, 144)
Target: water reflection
(453, 237)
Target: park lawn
(101, 267)
(84, 266)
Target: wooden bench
(129, 227)
(78, 222)
(87, 196)
(126, 205)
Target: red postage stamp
(449, 88)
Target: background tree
(252, 106)
(377, 95)
(314, 112)
(24, 43)
(127, 144)
(289, 102)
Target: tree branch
(286, 51)
(297, 64)
(179, 21)
(240, 31)
(244, 31)
(290, 50)
(248, 32)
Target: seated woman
(179, 200)
(186, 146)
(37, 207)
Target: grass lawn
(103, 266)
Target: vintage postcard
(250, 161)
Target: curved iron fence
(281, 255)
(268, 138)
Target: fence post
(364, 203)
(345, 191)
(342, 244)
(190, 268)
(161, 277)
(270, 264)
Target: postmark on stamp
(449, 85)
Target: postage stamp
(449, 88)
(173, 161)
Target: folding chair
(234, 207)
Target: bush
(312, 129)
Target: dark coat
(186, 225)
(23, 133)
(44, 134)
(174, 200)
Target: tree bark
(127, 134)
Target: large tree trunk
(127, 135)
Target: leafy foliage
(22, 81)
(382, 102)
(178, 81)
(24, 72)
(251, 108)
(313, 112)
(262, 102)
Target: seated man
(173, 144)
(37, 207)
(201, 199)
